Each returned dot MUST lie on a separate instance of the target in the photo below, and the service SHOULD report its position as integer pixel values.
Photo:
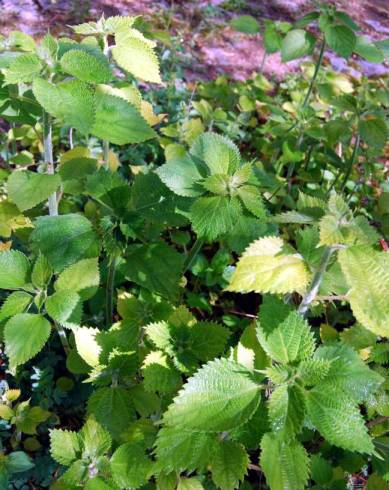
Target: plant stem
(315, 73)
(105, 142)
(351, 162)
(109, 293)
(263, 62)
(49, 160)
(192, 254)
(62, 337)
(316, 281)
(106, 153)
(53, 202)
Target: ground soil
(213, 47)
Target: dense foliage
(194, 286)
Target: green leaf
(341, 39)
(119, 122)
(138, 58)
(24, 68)
(214, 216)
(156, 266)
(207, 340)
(181, 176)
(285, 463)
(105, 402)
(296, 44)
(96, 440)
(368, 50)
(159, 374)
(14, 269)
(87, 346)
(86, 67)
(218, 152)
(287, 410)
(25, 334)
(348, 372)
(180, 450)
(41, 272)
(189, 484)
(272, 40)
(338, 419)
(18, 462)
(367, 274)
(252, 199)
(27, 189)
(373, 131)
(229, 465)
(268, 266)
(291, 341)
(75, 234)
(61, 305)
(220, 396)
(246, 24)
(322, 471)
(130, 466)
(71, 101)
(64, 446)
(79, 276)
(15, 303)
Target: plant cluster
(207, 308)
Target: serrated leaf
(14, 269)
(214, 216)
(159, 374)
(296, 44)
(24, 68)
(61, 100)
(229, 465)
(181, 176)
(25, 334)
(15, 303)
(96, 440)
(207, 340)
(130, 466)
(374, 131)
(27, 189)
(73, 231)
(86, 67)
(61, 305)
(368, 50)
(367, 274)
(189, 484)
(156, 266)
(105, 402)
(219, 153)
(64, 446)
(287, 410)
(119, 122)
(245, 23)
(79, 276)
(285, 463)
(180, 450)
(41, 272)
(87, 346)
(338, 419)
(348, 372)
(137, 57)
(291, 341)
(220, 396)
(341, 39)
(313, 371)
(266, 267)
(252, 199)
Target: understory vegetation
(194, 277)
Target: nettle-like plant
(177, 382)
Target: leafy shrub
(134, 354)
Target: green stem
(316, 281)
(109, 293)
(49, 160)
(351, 162)
(316, 72)
(197, 246)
